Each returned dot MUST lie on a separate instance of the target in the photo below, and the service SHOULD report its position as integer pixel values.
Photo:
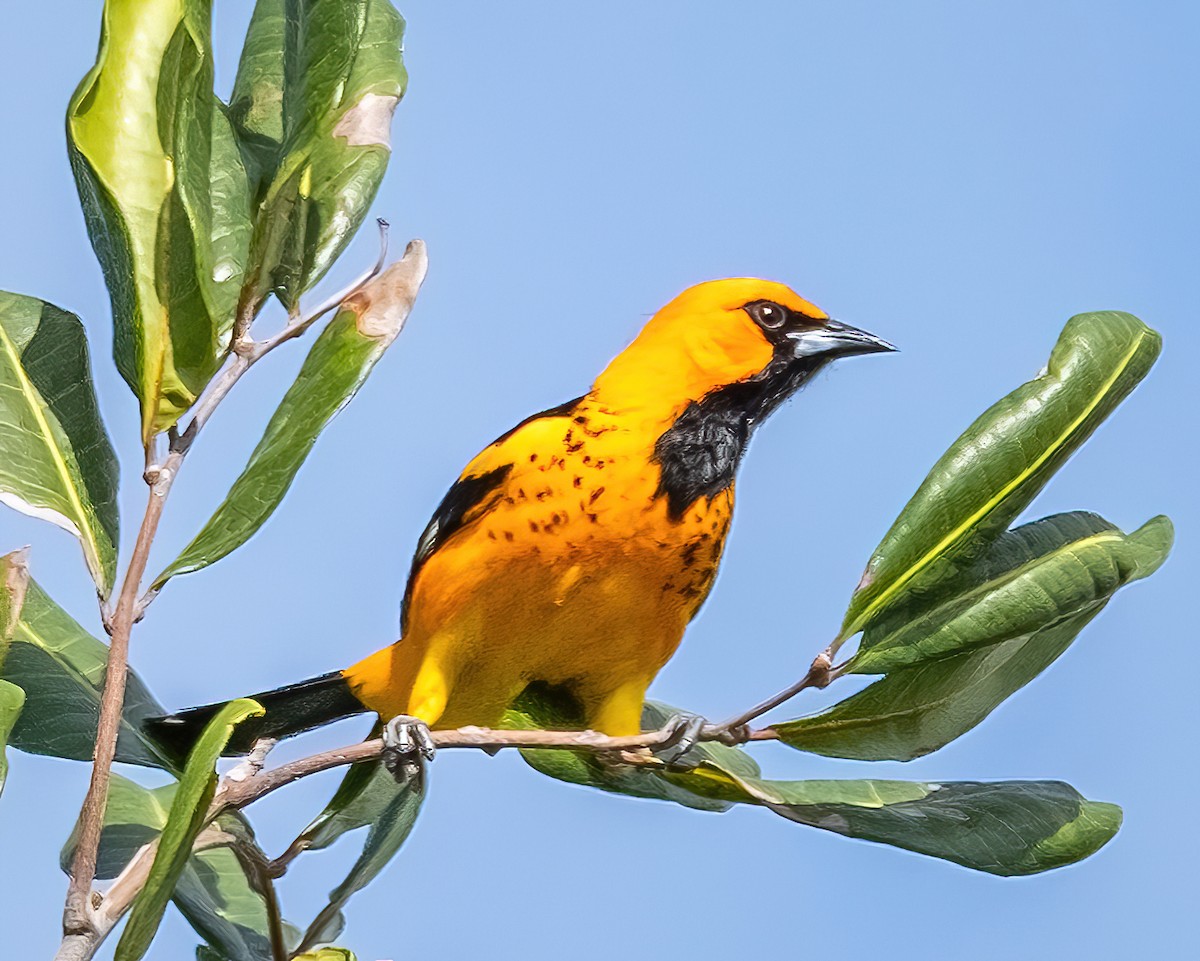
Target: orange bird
(574, 549)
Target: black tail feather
(290, 710)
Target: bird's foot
(407, 743)
(683, 731)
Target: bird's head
(739, 331)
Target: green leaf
(189, 807)
(56, 461)
(12, 699)
(133, 816)
(1033, 577)
(1004, 827)
(993, 471)
(60, 666)
(327, 954)
(222, 906)
(165, 198)
(336, 367)
(915, 710)
(548, 709)
(367, 797)
(213, 892)
(256, 107)
(313, 103)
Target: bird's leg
(406, 743)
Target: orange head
(726, 332)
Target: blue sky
(957, 178)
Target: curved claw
(684, 733)
(406, 741)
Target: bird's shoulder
(482, 481)
(527, 442)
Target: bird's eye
(767, 314)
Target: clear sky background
(957, 178)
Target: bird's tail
(289, 710)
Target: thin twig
(77, 912)
(79, 916)
(246, 354)
(298, 327)
(258, 871)
(242, 793)
(818, 676)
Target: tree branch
(79, 916)
(249, 782)
(77, 912)
(819, 675)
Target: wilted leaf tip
(16, 583)
(383, 305)
(369, 122)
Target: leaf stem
(819, 675)
(297, 327)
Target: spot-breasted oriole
(574, 549)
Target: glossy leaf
(917, 709)
(993, 471)
(1003, 827)
(165, 198)
(327, 954)
(56, 461)
(1007, 828)
(336, 367)
(222, 906)
(212, 893)
(12, 699)
(367, 797)
(1033, 577)
(189, 806)
(546, 710)
(60, 666)
(313, 103)
(257, 106)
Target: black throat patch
(698, 456)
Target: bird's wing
(479, 488)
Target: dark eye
(767, 314)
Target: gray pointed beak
(835, 339)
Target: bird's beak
(836, 339)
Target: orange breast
(573, 573)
